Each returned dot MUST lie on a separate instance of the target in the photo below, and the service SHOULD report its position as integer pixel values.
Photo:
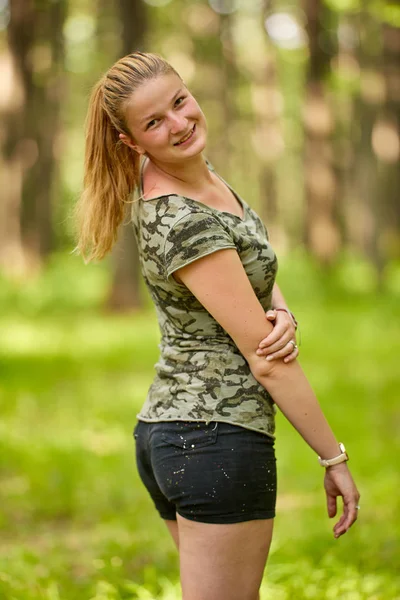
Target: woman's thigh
(223, 562)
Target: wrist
(291, 315)
(339, 458)
(340, 467)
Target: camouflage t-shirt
(201, 374)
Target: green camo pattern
(201, 375)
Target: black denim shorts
(212, 473)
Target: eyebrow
(150, 117)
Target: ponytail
(110, 176)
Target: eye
(151, 123)
(179, 100)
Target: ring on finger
(295, 346)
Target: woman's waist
(217, 362)
(198, 342)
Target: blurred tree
(125, 290)
(17, 84)
(226, 64)
(268, 135)
(108, 33)
(369, 103)
(269, 126)
(214, 57)
(386, 142)
(322, 235)
(41, 184)
(374, 216)
(344, 80)
(31, 141)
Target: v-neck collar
(198, 202)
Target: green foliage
(391, 14)
(346, 6)
(65, 285)
(76, 522)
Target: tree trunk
(31, 131)
(365, 217)
(228, 82)
(321, 229)
(368, 205)
(269, 143)
(17, 86)
(268, 136)
(344, 113)
(42, 130)
(125, 291)
(386, 142)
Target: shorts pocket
(189, 436)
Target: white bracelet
(336, 460)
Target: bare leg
(223, 562)
(173, 529)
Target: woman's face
(165, 120)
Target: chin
(195, 150)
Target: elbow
(263, 369)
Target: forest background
(302, 100)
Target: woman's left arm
(281, 342)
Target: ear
(125, 139)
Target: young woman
(205, 435)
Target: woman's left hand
(281, 342)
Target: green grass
(75, 521)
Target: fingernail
(269, 358)
(258, 352)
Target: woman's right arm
(220, 283)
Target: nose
(178, 123)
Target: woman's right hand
(339, 482)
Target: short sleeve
(193, 236)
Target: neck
(192, 172)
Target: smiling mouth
(185, 139)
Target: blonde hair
(111, 169)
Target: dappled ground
(76, 523)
